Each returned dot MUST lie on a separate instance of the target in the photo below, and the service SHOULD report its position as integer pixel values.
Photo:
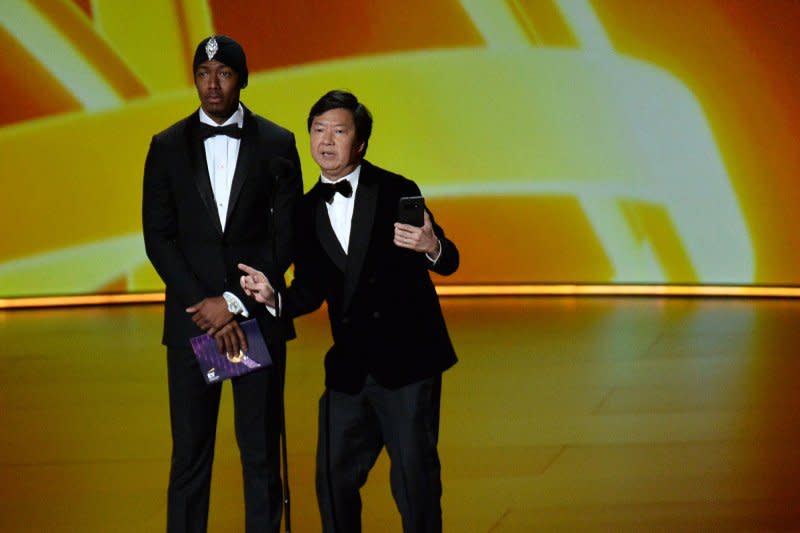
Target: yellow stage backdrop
(607, 141)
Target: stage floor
(563, 414)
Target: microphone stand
(281, 367)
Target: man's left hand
(415, 238)
(230, 339)
(210, 314)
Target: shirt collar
(352, 177)
(236, 118)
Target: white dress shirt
(222, 152)
(340, 210)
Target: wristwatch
(234, 305)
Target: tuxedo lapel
(327, 237)
(245, 159)
(360, 229)
(197, 158)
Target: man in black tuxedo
(383, 372)
(220, 187)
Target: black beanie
(225, 50)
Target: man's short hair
(338, 99)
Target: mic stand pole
(281, 371)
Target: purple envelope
(219, 366)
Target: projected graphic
(549, 154)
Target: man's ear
(362, 147)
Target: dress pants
(352, 431)
(194, 406)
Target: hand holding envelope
(218, 366)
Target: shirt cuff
(272, 310)
(433, 260)
(235, 305)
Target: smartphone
(410, 210)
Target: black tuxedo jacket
(384, 311)
(182, 232)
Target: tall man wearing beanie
(220, 188)
(383, 373)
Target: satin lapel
(326, 235)
(197, 158)
(244, 161)
(360, 230)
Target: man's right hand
(256, 285)
(210, 314)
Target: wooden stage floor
(564, 414)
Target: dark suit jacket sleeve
(449, 258)
(307, 291)
(159, 223)
(303, 296)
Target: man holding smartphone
(391, 345)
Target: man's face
(218, 88)
(333, 143)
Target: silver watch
(234, 305)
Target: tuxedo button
(371, 280)
(376, 315)
(346, 320)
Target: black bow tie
(327, 190)
(231, 130)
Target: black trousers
(352, 431)
(194, 406)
